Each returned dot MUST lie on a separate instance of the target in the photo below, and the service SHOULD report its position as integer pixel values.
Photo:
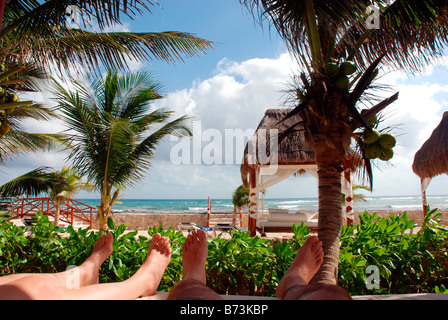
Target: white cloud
(236, 97)
(418, 110)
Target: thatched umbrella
(292, 148)
(293, 154)
(432, 158)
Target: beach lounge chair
(224, 227)
(281, 220)
(187, 226)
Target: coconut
(342, 82)
(300, 95)
(11, 97)
(370, 137)
(386, 154)
(4, 128)
(387, 140)
(348, 67)
(331, 68)
(373, 151)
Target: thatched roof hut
(278, 150)
(294, 149)
(432, 158)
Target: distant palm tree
(340, 49)
(32, 184)
(112, 130)
(42, 32)
(59, 185)
(71, 184)
(240, 199)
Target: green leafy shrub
(407, 262)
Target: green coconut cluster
(379, 145)
(8, 99)
(339, 73)
(8, 103)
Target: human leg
(194, 257)
(85, 274)
(143, 283)
(295, 284)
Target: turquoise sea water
(225, 205)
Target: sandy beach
(143, 221)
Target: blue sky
(231, 87)
(225, 22)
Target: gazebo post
(209, 211)
(347, 189)
(253, 204)
(424, 182)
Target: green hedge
(406, 262)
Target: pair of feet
(194, 255)
(306, 263)
(149, 274)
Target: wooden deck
(70, 211)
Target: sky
(227, 91)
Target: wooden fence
(70, 210)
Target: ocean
(226, 206)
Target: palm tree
(37, 35)
(111, 128)
(240, 198)
(60, 192)
(14, 139)
(59, 185)
(33, 183)
(42, 33)
(323, 36)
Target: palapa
(432, 158)
(293, 148)
(283, 148)
(294, 145)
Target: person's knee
(317, 292)
(27, 288)
(192, 289)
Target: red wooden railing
(69, 210)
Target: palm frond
(32, 183)
(113, 50)
(17, 142)
(24, 15)
(412, 32)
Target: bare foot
(194, 256)
(90, 268)
(306, 264)
(153, 268)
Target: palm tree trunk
(56, 214)
(330, 223)
(234, 216)
(329, 150)
(103, 214)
